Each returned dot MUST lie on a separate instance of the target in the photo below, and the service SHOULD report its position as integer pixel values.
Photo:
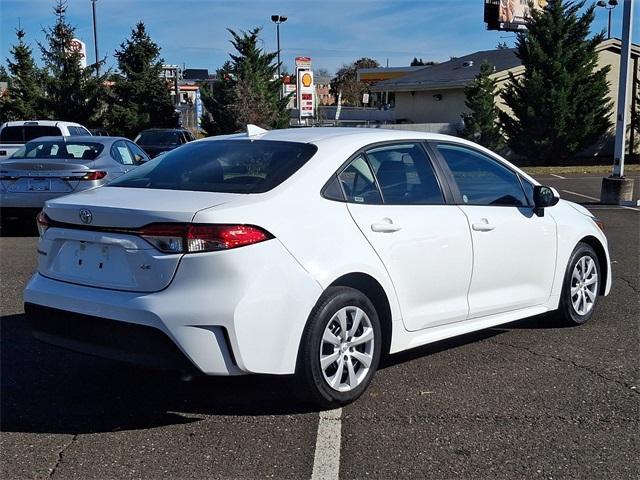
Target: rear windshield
(234, 166)
(59, 149)
(24, 133)
(158, 137)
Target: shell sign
(306, 93)
(307, 79)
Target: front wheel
(340, 348)
(581, 285)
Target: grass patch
(604, 169)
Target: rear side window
(25, 133)
(358, 182)
(405, 175)
(481, 179)
(121, 153)
(79, 131)
(234, 166)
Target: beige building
(435, 95)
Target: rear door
(397, 201)
(514, 249)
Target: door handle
(483, 226)
(386, 225)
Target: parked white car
(14, 135)
(309, 252)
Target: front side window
(234, 166)
(358, 182)
(482, 180)
(139, 155)
(405, 175)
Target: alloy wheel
(346, 349)
(584, 285)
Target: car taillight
(180, 238)
(97, 175)
(43, 222)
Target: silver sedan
(50, 167)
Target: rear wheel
(340, 348)
(581, 285)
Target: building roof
(458, 72)
(454, 73)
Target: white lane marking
(558, 176)
(630, 208)
(326, 461)
(581, 195)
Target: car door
(395, 197)
(514, 249)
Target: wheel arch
(594, 243)
(370, 287)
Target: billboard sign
(510, 15)
(78, 46)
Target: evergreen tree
(72, 93)
(247, 90)
(481, 124)
(416, 63)
(4, 75)
(560, 103)
(140, 97)
(24, 98)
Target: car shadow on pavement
(45, 389)
(18, 228)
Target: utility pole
(617, 189)
(95, 36)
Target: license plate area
(93, 263)
(38, 184)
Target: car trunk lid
(60, 175)
(92, 238)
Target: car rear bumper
(228, 313)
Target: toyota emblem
(86, 216)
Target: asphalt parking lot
(522, 401)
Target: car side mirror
(544, 197)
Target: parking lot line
(581, 195)
(326, 461)
(558, 176)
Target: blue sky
(332, 32)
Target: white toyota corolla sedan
(309, 252)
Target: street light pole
(609, 6)
(95, 36)
(278, 19)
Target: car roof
(78, 138)
(320, 134)
(41, 123)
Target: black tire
(310, 381)
(567, 313)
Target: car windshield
(52, 149)
(235, 166)
(158, 137)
